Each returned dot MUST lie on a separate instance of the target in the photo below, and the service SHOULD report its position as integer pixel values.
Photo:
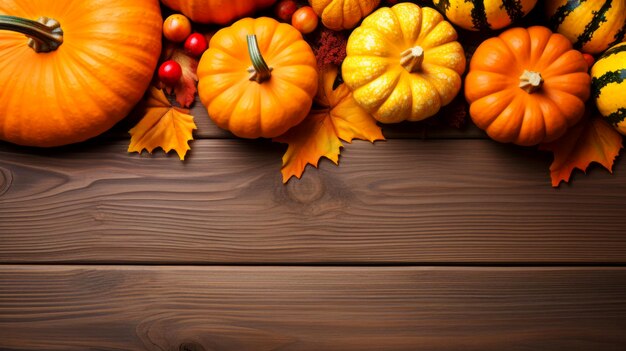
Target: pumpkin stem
(260, 71)
(411, 59)
(44, 35)
(530, 81)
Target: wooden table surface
(436, 239)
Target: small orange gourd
(527, 86)
(258, 78)
(216, 11)
(85, 66)
(343, 14)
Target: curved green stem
(260, 71)
(45, 34)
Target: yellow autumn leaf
(335, 116)
(162, 125)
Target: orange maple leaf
(185, 89)
(591, 140)
(335, 115)
(162, 126)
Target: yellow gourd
(403, 63)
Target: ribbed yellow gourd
(403, 63)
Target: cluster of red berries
(302, 18)
(177, 29)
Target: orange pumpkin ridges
(94, 60)
(217, 11)
(343, 14)
(258, 78)
(527, 86)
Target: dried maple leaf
(162, 126)
(591, 140)
(335, 116)
(185, 90)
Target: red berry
(284, 9)
(196, 45)
(176, 28)
(170, 72)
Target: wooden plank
(434, 128)
(311, 308)
(404, 201)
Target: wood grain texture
(407, 201)
(433, 128)
(298, 308)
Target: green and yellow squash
(484, 14)
(591, 25)
(608, 86)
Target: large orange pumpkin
(258, 78)
(527, 86)
(216, 11)
(80, 73)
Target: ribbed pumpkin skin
(343, 14)
(511, 115)
(216, 11)
(484, 14)
(608, 86)
(90, 82)
(381, 85)
(592, 26)
(249, 109)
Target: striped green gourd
(484, 14)
(608, 85)
(591, 25)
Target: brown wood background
(437, 239)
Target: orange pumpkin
(216, 11)
(258, 78)
(527, 86)
(86, 64)
(343, 14)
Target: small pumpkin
(217, 11)
(608, 86)
(86, 64)
(343, 14)
(258, 78)
(484, 14)
(527, 86)
(593, 26)
(403, 63)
